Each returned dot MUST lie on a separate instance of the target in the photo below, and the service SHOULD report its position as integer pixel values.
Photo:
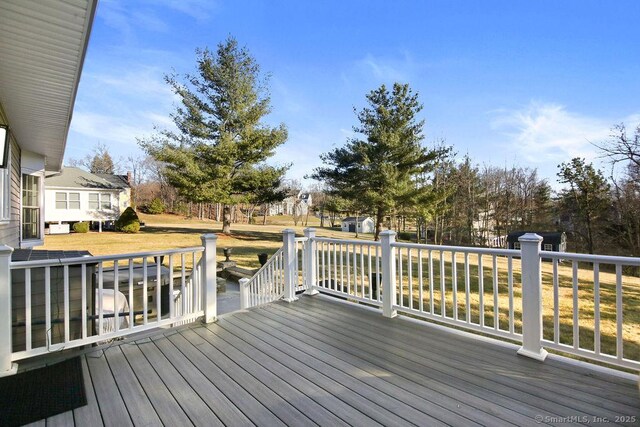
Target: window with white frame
(547, 247)
(30, 207)
(5, 189)
(94, 201)
(516, 245)
(105, 201)
(61, 200)
(67, 200)
(74, 200)
(99, 201)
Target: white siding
(10, 231)
(120, 200)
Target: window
(548, 247)
(67, 200)
(105, 201)
(99, 201)
(94, 201)
(30, 207)
(5, 191)
(61, 200)
(516, 245)
(74, 200)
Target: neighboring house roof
(354, 219)
(42, 46)
(548, 236)
(71, 177)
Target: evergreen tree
(218, 150)
(377, 171)
(587, 199)
(101, 162)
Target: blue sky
(526, 83)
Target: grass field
(248, 240)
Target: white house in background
(74, 195)
(40, 64)
(360, 224)
(297, 204)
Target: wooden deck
(320, 361)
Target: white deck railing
(539, 299)
(51, 305)
(268, 284)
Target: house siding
(10, 231)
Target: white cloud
(401, 68)
(542, 133)
(110, 129)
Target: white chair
(122, 306)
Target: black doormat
(41, 393)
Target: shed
(555, 241)
(360, 224)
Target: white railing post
(388, 273)
(310, 259)
(289, 259)
(244, 292)
(209, 279)
(6, 346)
(531, 298)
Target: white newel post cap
(530, 238)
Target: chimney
(129, 177)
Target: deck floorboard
(318, 361)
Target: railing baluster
(27, 306)
(65, 284)
(348, 270)
(355, 272)
(420, 281)
(619, 317)
(47, 302)
(183, 283)
(510, 284)
(145, 296)
(100, 298)
(481, 289)
(431, 302)
(172, 312)
(556, 303)
(116, 312)
(454, 284)
(400, 281)
(370, 273)
(443, 296)
(83, 297)
(576, 307)
(131, 299)
(496, 291)
(596, 308)
(158, 289)
(410, 281)
(362, 270)
(467, 288)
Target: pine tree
(377, 171)
(101, 162)
(587, 199)
(220, 142)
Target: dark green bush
(155, 207)
(81, 227)
(128, 221)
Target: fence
(51, 305)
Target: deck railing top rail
(102, 258)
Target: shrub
(128, 221)
(155, 207)
(81, 227)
